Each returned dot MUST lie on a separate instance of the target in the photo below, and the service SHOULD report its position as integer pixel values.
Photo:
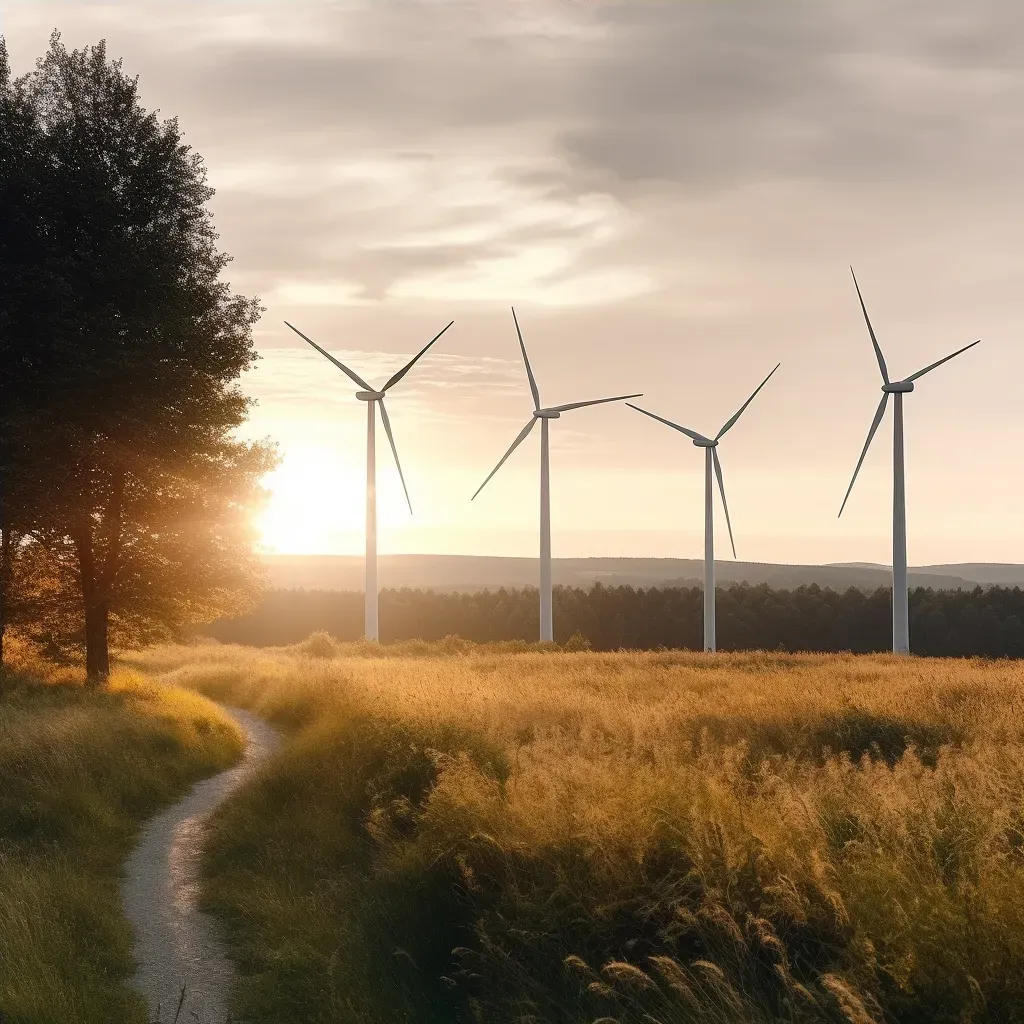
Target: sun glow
(317, 503)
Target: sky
(671, 195)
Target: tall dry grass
(660, 838)
(80, 770)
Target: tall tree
(18, 228)
(130, 349)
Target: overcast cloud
(671, 193)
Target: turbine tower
(899, 388)
(373, 399)
(544, 415)
(711, 464)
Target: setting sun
(316, 503)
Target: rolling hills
(474, 572)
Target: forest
(943, 623)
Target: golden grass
(632, 836)
(81, 769)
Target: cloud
(366, 150)
(716, 95)
(456, 151)
(669, 191)
(431, 228)
(295, 384)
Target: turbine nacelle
(710, 444)
(543, 414)
(554, 412)
(369, 395)
(897, 387)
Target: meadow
(455, 833)
(81, 770)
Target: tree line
(953, 623)
(125, 497)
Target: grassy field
(80, 770)
(457, 834)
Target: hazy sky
(670, 193)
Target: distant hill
(477, 572)
(996, 574)
(993, 574)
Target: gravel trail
(175, 943)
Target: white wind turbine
(900, 599)
(544, 415)
(372, 399)
(711, 463)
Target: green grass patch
(482, 837)
(291, 866)
(80, 770)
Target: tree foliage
(955, 623)
(121, 352)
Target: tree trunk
(3, 629)
(97, 612)
(5, 562)
(97, 650)
(3, 597)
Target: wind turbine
(544, 415)
(899, 388)
(711, 463)
(373, 399)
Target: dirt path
(175, 944)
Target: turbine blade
(529, 370)
(731, 422)
(596, 401)
(341, 366)
(391, 438)
(879, 413)
(515, 444)
(928, 369)
(669, 423)
(412, 362)
(721, 490)
(871, 331)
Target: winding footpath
(176, 945)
